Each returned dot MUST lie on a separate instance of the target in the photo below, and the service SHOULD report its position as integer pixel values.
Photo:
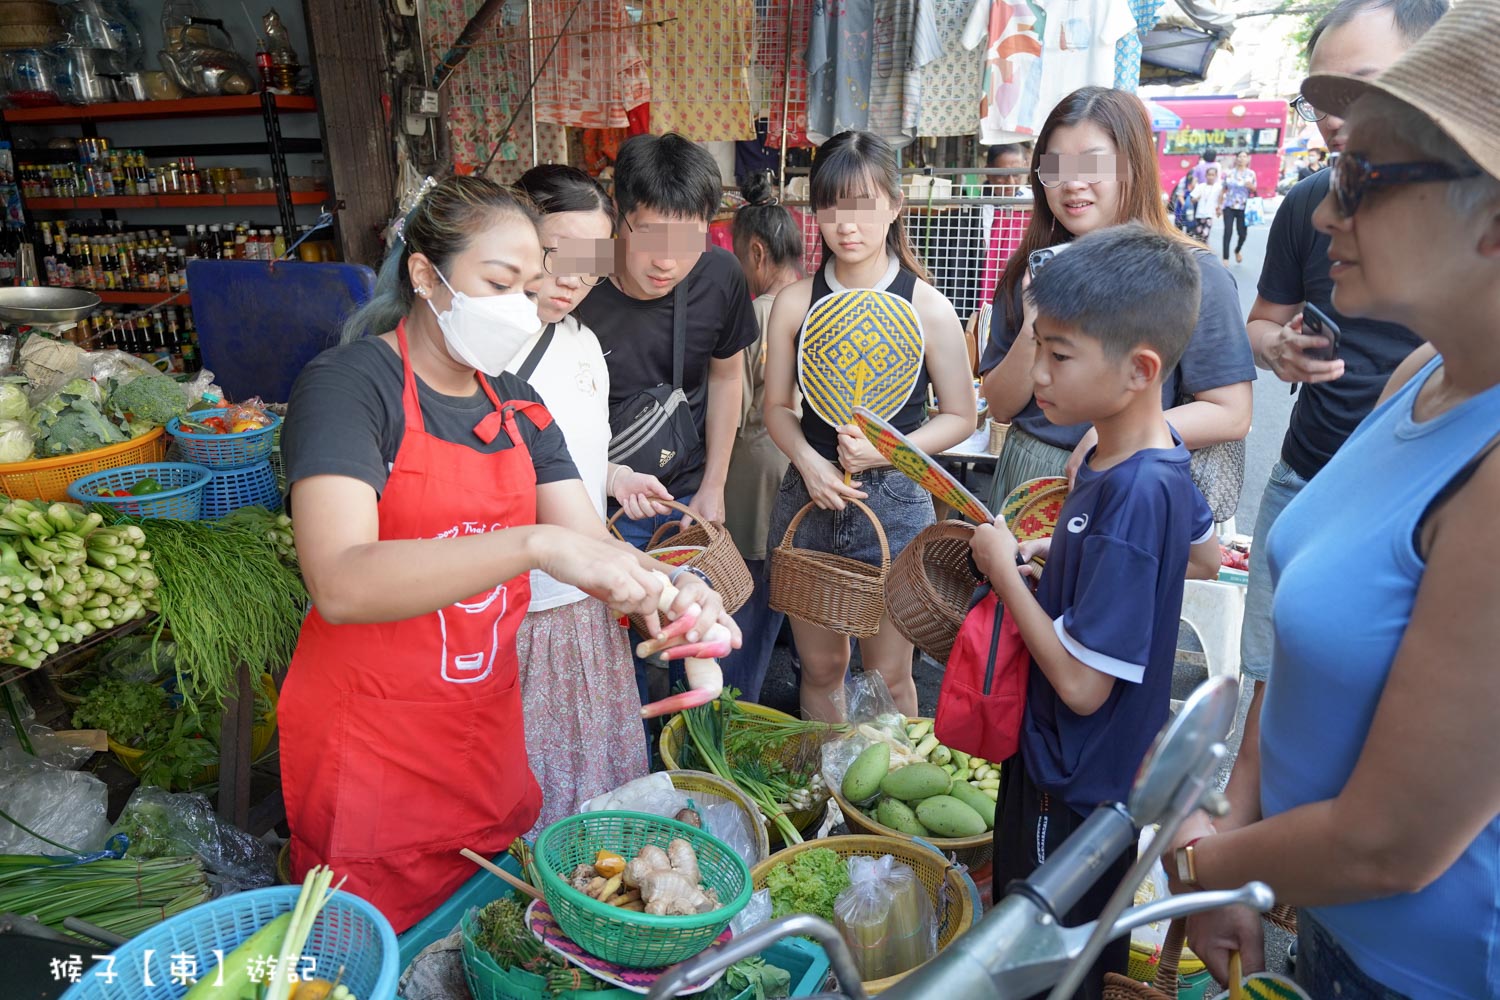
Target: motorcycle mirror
(1204, 719)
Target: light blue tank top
(1346, 575)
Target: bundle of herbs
(116, 894)
(229, 600)
(500, 930)
(751, 751)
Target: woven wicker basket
(955, 900)
(1164, 985)
(971, 852)
(931, 584)
(720, 559)
(834, 592)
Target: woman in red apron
(426, 485)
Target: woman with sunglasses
(578, 692)
(1095, 166)
(1373, 804)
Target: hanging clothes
(947, 76)
(781, 59)
(839, 60)
(597, 73)
(1078, 48)
(1128, 49)
(1012, 68)
(891, 79)
(700, 68)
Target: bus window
(1192, 141)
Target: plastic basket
(955, 898)
(261, 734)
(229, 490)
(636, 940)
(180, 498)
(49, 478)
(226, 451)
(349, 934)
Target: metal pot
(130, 86)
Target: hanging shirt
(700, 77)
(596, 73)
(891, 82)
(1012, 68)
(1128, 49)
(786, 76)
(840, 50)
(1079, 48)
(946, 76)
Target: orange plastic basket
(48, 478)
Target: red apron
(402, 741)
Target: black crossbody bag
(654, 431)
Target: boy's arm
(1204, 560)
(1082, 688)
(722, 420)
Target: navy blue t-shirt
(1296, 271)
(1218, 355)
(1113, 586)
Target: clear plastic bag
(655, 794)
(167, 824)
(67, 807)
(886, 918)
(17, 441)
(872, 716)
(755, 913)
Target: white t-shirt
(1079, 48)
(1206, 198)
(573, 381)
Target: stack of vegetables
(83, 414)
(123, 896)
(64, 576)
(920, 798)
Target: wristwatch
(1187, 866)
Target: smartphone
(1315, 323)
(1038, 259)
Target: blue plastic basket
(180, 498)
(229, 490)
(225, 451)
(349, 932)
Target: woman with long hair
(427, 483)
(578, 691)
(768, 243)
(856, 193)
(1094, 166)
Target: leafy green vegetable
(16, 441)
(149, 398)
(13, 405)
(127, 710)
(155, 832)
(768, 981)
(77, 426)
(809, 883)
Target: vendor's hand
(1286, 354)
(826, 487)
(856, 453)
(707, 506)
(1081, 452)
(638, 494)
(995, 550)
(694, 596)
(1215, 934)
(602, 569)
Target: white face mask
(488, 331)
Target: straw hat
(1452, 75)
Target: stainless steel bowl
(46, 306)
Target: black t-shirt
(1296, 271)
(345, 418)
(636, 335)
(1217, 355)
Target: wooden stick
(520, 885)
(1236, 978)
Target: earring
(422, 292)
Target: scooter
(1020, 948)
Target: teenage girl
(856, 193)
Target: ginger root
(649, 859)
(669, 880)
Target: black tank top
(913, 412)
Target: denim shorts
(903, 507)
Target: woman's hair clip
(398, 229)
(409, 205)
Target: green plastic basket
(637, 940)
(487, 981)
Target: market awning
(1162, 119)
(1173, 54)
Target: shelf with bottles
(186, 107)
(245, 200)
(165, 337)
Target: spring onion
(124, 896)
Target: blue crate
(349, 933)
(180, 498)
(224, 451)
(229, 490)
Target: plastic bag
(17, 441)
(652, 794)
(46, 746)
(201, 383)
(725, 819)
(873, 716)
(48, 363)
(655, 794)
(755, 913)
(886, 918)
(165, 824)
(64, 806)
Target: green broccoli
(148, 399)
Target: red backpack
(983, 697)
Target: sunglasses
(1354, 176)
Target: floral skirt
(581, 709)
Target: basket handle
(1166, 978)
(710, 528)
(885, 549)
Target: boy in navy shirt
(1112, 317)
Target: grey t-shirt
(840, 59)
(345, 418)
(1218, 355)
